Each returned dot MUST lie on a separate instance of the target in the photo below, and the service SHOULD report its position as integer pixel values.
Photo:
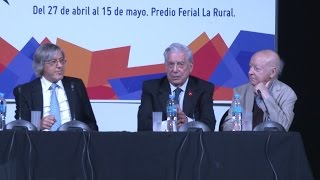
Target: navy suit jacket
(30, 98)
(197, 103)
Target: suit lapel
(37, 96)
(189, 98)
(250, 99)
(164, 92)
(275, 88)
(67, 88)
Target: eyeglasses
(54, 62)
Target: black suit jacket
(31, 99)
(197, 103)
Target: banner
(114, 45)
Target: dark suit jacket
(31, 99)
(198, 102)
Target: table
(147, 155)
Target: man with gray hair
(195, 97)
(264, 97)
(60, 98)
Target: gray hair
(177, 47)
(43, 54)
(273, 59)
(276, 61)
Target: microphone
(74, 124)
(21, 124)
(267, 111)
(192, 105)
(193, 116)
(19, 90)
(268, 125)
(73, 104)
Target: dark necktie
(257, 114)
(54, 107)
(177, 92)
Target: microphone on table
(194, 126)
(267, 125)
(73, 104)
(76, 125)
(20, 123)
(73, 125)
(19, 90)
(270, 126)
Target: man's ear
(273, 73)
(191, 66)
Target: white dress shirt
(65, 113)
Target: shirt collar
(183, 87)
(46, 84)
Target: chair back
(222, 120)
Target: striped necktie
(54, 107)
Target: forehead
(53, 55)
(49, 55)
(177, 56)
(57, 54)
(259, 61)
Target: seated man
(265, 98)
(71, 95)
(195, 100)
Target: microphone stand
(264, 103)
(74, 124)
(20, 123)
(268, 125)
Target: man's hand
(47, 122)
(181, 117)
